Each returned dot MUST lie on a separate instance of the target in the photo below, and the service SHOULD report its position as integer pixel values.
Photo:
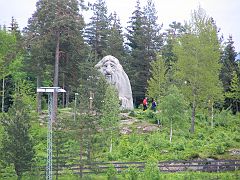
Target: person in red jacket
(145, 103)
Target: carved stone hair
(118, 78)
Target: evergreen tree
(229, 65)
(144, 41)
(17, 143)
(115, 39)
(54, 32)
(234, 92)
(92, 81)
(198, 66)
(139, 65)
(154, 39)
(175, 30)
(97, 30)
(7, 49)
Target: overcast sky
(225, 12)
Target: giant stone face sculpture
(110, 67)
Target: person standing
(145, 103)
(154, 105)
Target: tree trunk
(193, 115)
(237, 107)
(18, 172)
(81, 153)
(3, 93)
(55, 82)
(39, 97)
(171, 132)
(212, 115)
(63, 94)
(111, 143)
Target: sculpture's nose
(108, 70)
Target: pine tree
(144, 41)
(54, 32)
(17, 143)
(97, 30)
(154, 39)
(115, 39)
(229, 65)
(138, 63)
(234, 92)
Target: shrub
(131, 173)
(179, 147)
(220, 149)
(111, 173)
(151, 171)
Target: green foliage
(17, 70)
(110, 115)
(111, 108)
(200, 175)
(132, 173)
(144, 41)
(189, 60)
(17, 143)
(132, 113)
(42, 36)
(198, 67)
(151, 171)
(111, 173)
(234, 92)
(157, 84)
(7, 46)
(173, 105)
(97, 30)
(115, 39)
(228, 70)
(92, 81)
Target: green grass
(206, 142)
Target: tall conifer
(229, 66)
(144, 40)
(97, 29)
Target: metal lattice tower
(50, 91)
(49, 138)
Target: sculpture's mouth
(108, 75)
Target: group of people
(145, 104)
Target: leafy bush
(220, 149)
(179, 147)
(132, 173)
(151, 171)
(111, 173)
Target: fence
(164, 166)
